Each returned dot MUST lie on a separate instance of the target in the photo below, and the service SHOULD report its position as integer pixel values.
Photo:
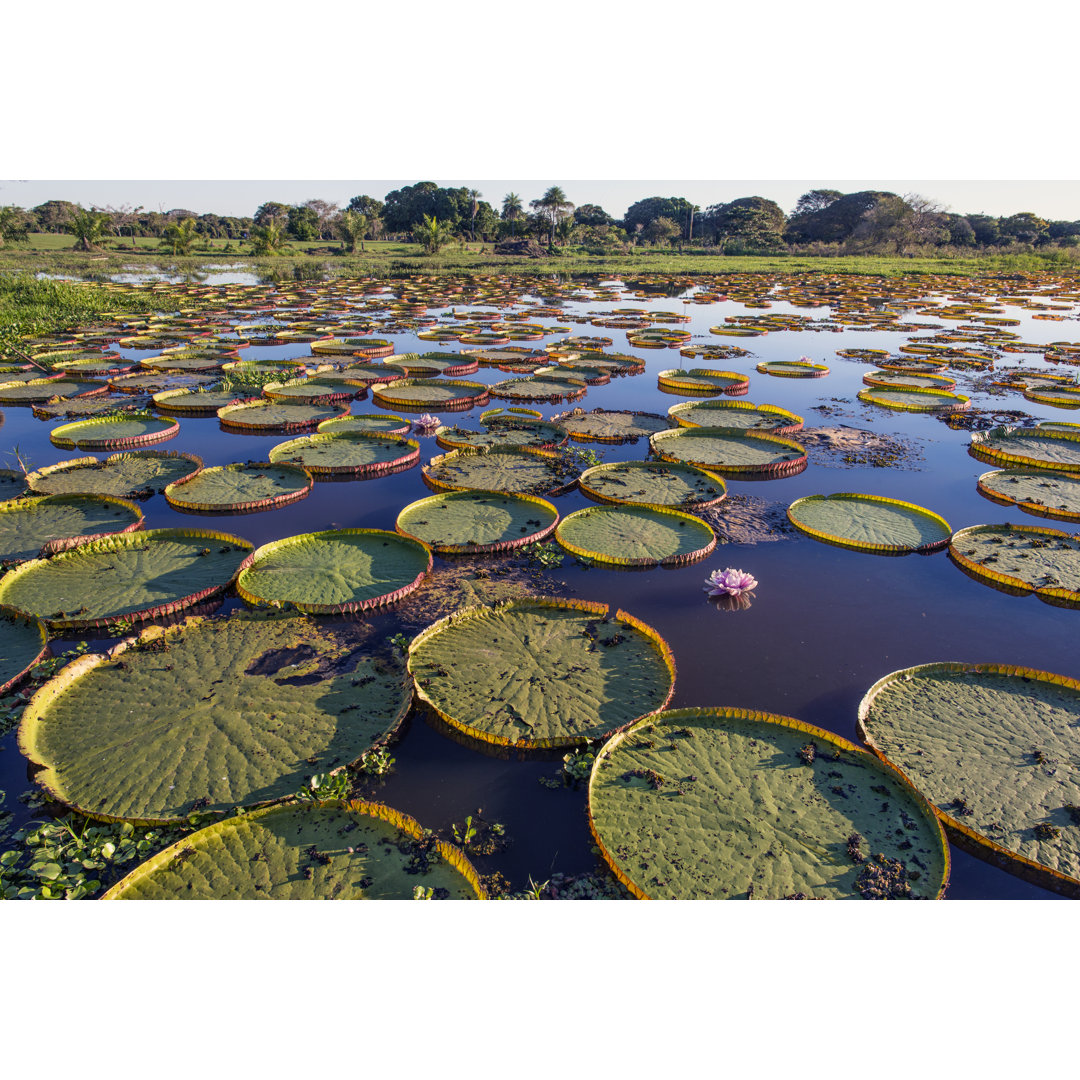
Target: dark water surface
(824, 624)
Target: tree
(271, 211)
(474, 205)
(53, 216)
(837, 221)
(324, 212)
(352, 226)
(123, 217)
(88, 228)
(180, 235)
(592, 215)
(433, 234)
(302, 223)
(752, 222)
(268, 239)
(512, 209)
(1025, 228)
(960, 231)
(690, 230)
(553, 207)
(814, 200)
(14, 222)
(648, 210)
(372, 209)
(987, 229)
(406, 207)
(661, 230)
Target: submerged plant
(729, 582)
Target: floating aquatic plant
(730, 582)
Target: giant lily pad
(349, 453)
(536, 673)
(793, 369)
(539, 388)
(114, 432)
(937, 401)
(908, 379)
(1034, 448)
(335, 571)
(424, 394)
(260, 416)
(125, 578)
(317, 390)
(635, 536)
(703, 381)
(609, 426)
(870, 523)
(735, 414)
(653, 483)
(725, 803)
(28, 393)
(1021, 559)
(127, 475)
(209, 715)
(502, 431)
(240, 488)
(23, 643)
(28, 525)
(195, 402)
(474, 522)
(383, 423)
(1035, 491)
(520, 470)
(995, 749)
(350, 851)
(728, 450)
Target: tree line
(823, 221)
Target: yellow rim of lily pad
(856, 545)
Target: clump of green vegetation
(377, 762)
(577, 765)
(543, 555)
(325, 787)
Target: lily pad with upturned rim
(534, 674)
(995, 748)
(477, 522)
(870, 523)
(194, 402)
(1035, 491)
(261, 416)
(114, 432)
(126, 475)
(726, 803)
(519, 470)
(913, 400)
(349, 453)
(703, 381)
(635, 536)
(653, 483)
(126, 578)
(422, 394)
(23, 643)
(735, 414)
(729, 450)
(332, 851)
(210, 715)
(382, 423)
(29, 525)
(335, 571)
(611, 425)
(1035, 448)
(240, 488)
(793, 369)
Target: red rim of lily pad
(62, 436)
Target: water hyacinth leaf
(653, 483)
(135, 576)
(1035, 491)
(735, 414)
(635, 536)
(240, 488)
(541, 674)
(995, 749)
(1032, 448)
(731, 451)
(611, 426)
(114, 432)
(519, 470)
(334, 851)
(28, 525)
(349, 453)
(725, 803)
(335, 571)
(23, 643)
(210, 715)
(870, 523)
(476, 522)
(1021, 559)
(126, 475)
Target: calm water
(824, 625)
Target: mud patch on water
(748, 519)
(847, 447)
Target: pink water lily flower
(729, 582)
(425, 423)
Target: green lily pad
(349, 453)
(502, 431)
(267, 416)
(335, 571)
(728, 450)
(901, 379)
(114, 432)
(468, 522)
(735, 414)
(240, 488)
(433, 364)
(23, 643)
(29, 393)
(703, 381)
(27, 525)
(725, 803)
(350, 851)
(135, 474)
(82, 408)
(209, 715)
(316, 390)
(539, 388)
(1064, 397)
(995, 749)
(653, 483)
(520, 470)
(185, 362)
(635, 536)
(793, 369)
(194, 402)
(1034, 448)
(611, 426)
(941, 401)
(136, 576)
(12, 483)
(536, 673)
(870, 523)
(150, 382)
(1035, 491)
(422, 394)
(383, 423)
(1021, 559)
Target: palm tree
(474, 198)
(180, 235)
(512, 209)
(87, 227)
(268, 239)
(352, 225)
(433, 234)
(554, 207)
